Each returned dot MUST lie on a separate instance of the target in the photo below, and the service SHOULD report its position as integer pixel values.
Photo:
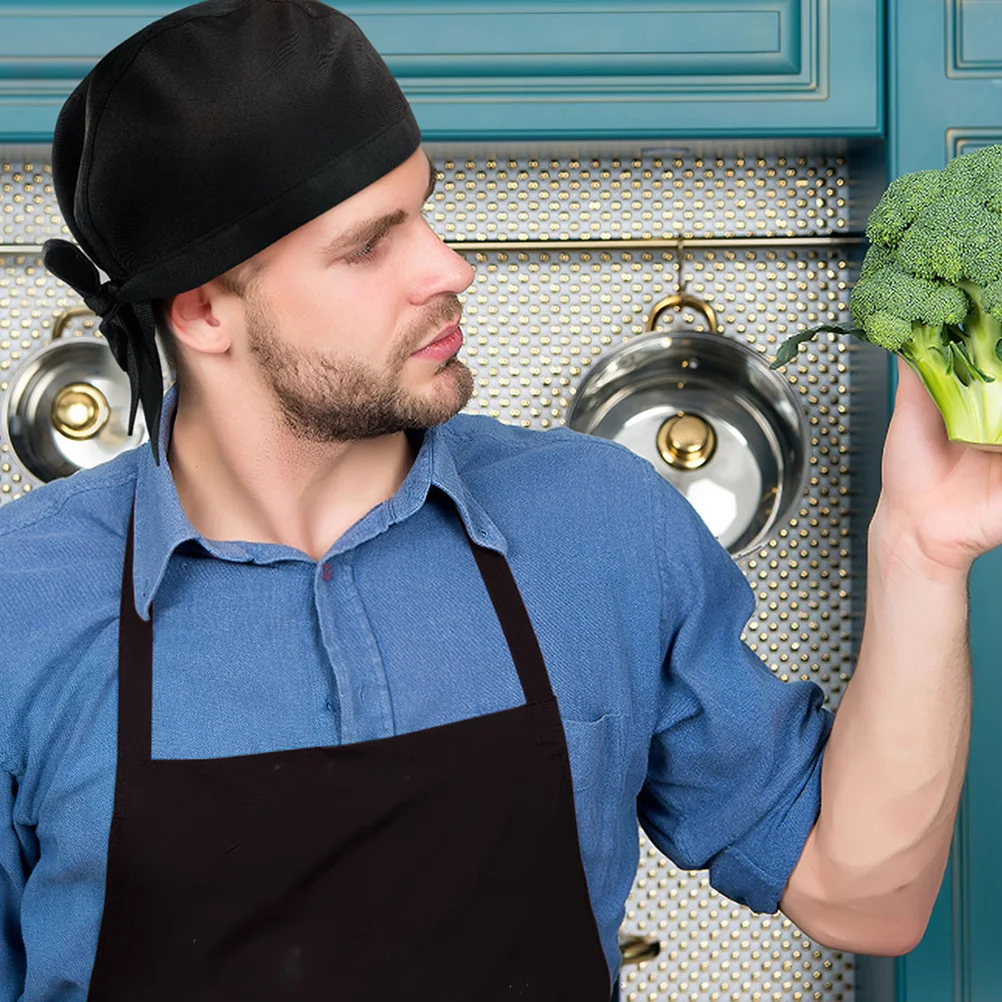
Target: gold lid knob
(80, 411)
(686, 441)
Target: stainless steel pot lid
(713, 420)
(67, 407)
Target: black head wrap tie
(129, 328)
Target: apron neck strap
(135, 667)
(515, 622)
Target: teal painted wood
(944, 69)
(978, 911)
(948, 92)
(539, 69)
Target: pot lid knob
(686, 441)
(80, 411)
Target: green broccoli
(930, 289)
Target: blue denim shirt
(258, 647)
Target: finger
(915, 408)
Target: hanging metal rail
(654, 243)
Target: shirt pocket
(597, 750)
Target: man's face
(353, 319)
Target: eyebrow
(368, 231)
(371, 230)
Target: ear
(201, 319)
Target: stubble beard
(324, 398)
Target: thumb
(915, 408)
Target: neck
(241, 474)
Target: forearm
(894, 765)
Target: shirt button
(325, 571)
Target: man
(296, 712)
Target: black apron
(442, 864)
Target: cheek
(342, 313)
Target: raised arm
(894, 765)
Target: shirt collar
(435, 466)
(162, 525)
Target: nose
(439, 269)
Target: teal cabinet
(538, 69)
(945, 97)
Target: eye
(364, 253)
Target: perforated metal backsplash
(535, 321)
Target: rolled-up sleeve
(12, 871)
(734, 771)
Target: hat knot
(129, 329)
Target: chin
(451, 390)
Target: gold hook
(680, 297)
(66, 316)
(683, 299)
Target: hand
(940, 502)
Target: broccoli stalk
(971, 407)
(930, 289)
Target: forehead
(390, 193)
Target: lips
(443, 347)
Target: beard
(328, 398)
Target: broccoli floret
(974, 179)
(887, 301)
(930, 288)
(904, 199)
(954, 240)
(976, 175)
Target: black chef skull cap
(204, 138)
